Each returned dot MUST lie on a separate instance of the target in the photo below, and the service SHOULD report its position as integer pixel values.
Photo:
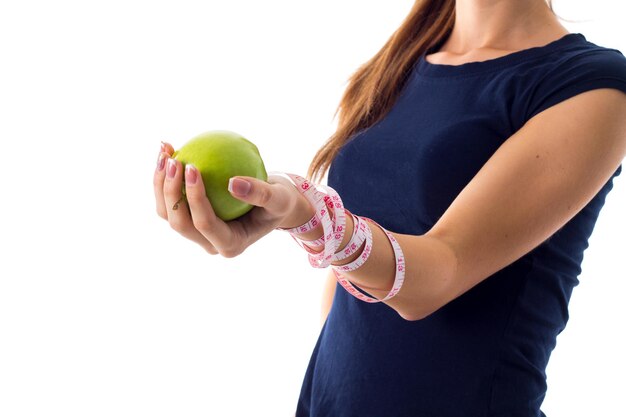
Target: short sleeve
(601, 68)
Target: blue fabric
(485, 353)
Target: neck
(502, 24)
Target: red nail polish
(171, 168)
(191, 174)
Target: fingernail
(161, 162)
(239, 187)
(191, 174)
(162, 146)
(171, 168)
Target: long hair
(375, 86)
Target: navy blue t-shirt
(485, 353)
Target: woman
(483, 138)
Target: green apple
(219, 155)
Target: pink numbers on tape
(357, 239)
(307, 227)
(331, 215)
(399, 273)
(334, 228)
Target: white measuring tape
(326, 201)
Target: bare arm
(536, 182)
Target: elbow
(415, 315)
(428, 302)
(415, 309)
(412, 317)
(436, 286)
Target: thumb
(257, 192)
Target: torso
(484, 353)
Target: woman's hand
(278, 204)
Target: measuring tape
(326, 201)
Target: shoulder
(580, 53)
(581, 66)
(590, 59)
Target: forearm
(430, 267)
(429, 274)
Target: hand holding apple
(219, 155)
(275, 203)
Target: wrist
(339, 229)
(301, 212)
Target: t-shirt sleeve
(602, 68)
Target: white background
(104, 310)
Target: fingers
(191, 214)
(175, 205)
(159, 177)
(273, 197)
(168, 193)
(167, 148)
(226, 238)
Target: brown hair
(375, 86)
